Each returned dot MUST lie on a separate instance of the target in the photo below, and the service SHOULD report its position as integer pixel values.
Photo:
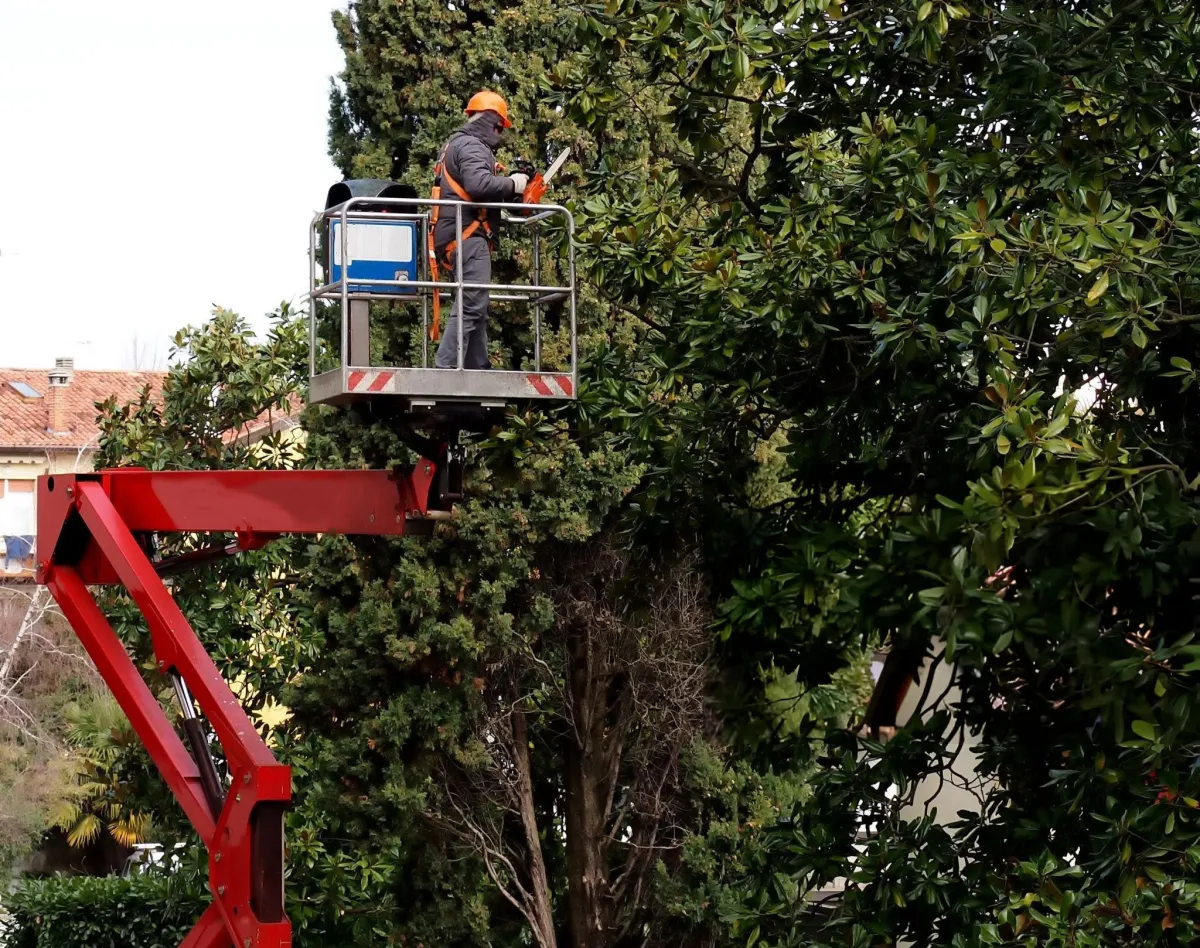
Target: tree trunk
(542, 916)
(587, 759)
(586, 877)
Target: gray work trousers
(477, 268)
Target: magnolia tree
(947, 251)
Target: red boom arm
(91, 529)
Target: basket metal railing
(332, 280)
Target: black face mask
(491, 135)
(487, 131)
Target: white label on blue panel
(391, 242)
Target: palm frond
(86, 831)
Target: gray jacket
(470, 160)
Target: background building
(48, 426)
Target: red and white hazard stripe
(383, 382)
(371, 381)
(541, 384)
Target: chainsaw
(538, 182)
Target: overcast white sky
(156, 158)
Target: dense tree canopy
(890, 331)
(505, 728)
(606, 833)
(948, 251)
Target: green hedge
(149, 911)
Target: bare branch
(622, 678)
(34, 613)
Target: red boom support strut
(92, 530)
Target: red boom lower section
(92, 530)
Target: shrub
(150, 911)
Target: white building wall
(19, 471)
(946, 797)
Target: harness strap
(435, 327)
(481, 214)
(468, 231)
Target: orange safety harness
(440, 174)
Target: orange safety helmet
(489, 102)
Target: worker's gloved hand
(520, 183)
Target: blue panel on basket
(379, 250)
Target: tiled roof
(25, 422)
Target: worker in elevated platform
(467, 171)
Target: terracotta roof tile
(25, 422)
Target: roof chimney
(62, 372)
(60, 378)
